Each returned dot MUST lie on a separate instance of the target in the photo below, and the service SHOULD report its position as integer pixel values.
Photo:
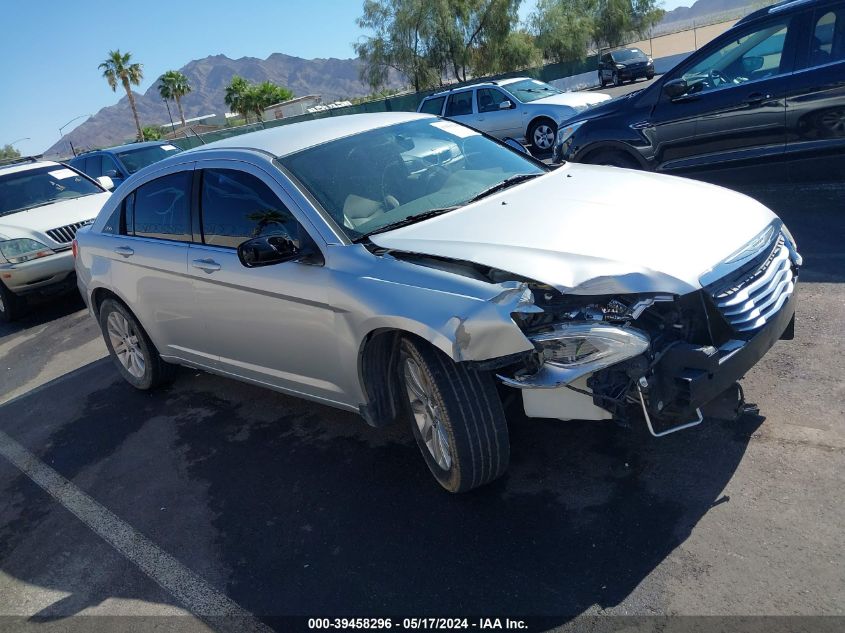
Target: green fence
(400, 103)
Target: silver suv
(42, 204)
(402, 266)
(520, 108)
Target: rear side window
(433, 106)
(237, 206)
(459, 104)
(827, 41)
(162, 208)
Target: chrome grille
(748, 302)
(65, 234)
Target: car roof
(626, 48)
(25, 166)
(127, 146)
(496, 82)
(287, 139)
(781, 7)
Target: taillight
(75, 247)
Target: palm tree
(116, 69)
(236, 96)
(174, 85)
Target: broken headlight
(595, 344)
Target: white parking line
(200, 598)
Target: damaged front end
(659, 359)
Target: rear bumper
(38, 275)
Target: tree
(564, 28)
(403, 32)
(174, 85)
(615, 20)
(150, 133)
(235, 96)
(7, 151)
(118, 69)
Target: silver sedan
(404, 266)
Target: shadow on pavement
(43, 310)
(292, 508)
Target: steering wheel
(718, 76)
(390, 201)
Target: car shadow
(293, 508)
(43, 310)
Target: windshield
(529, 90)
(23, 190)
(135, 159)
(383, 177)
(628, 55)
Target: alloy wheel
(427, 414)
(834, 121)
(125, 343)
(544, 137)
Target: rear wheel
(601, 80)
(132, 351)
(456, 418)
(12, 306)
(613, 158)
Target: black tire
(601, 80)
(616, 80)
(156, 372)
(12, 307)
(469, 412)
(532, 129)
(613, 158)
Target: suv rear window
(433, 105)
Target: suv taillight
(75, 247)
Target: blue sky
(49, 52)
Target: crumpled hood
(50, 216)
(578, 100)
(586, 229)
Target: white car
(521, 108)
(42, 204)
(406, 267)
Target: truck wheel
(12, 307)
(456, 417)
(132, 351)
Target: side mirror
(111, 173)
(106, 182)
(267, 250)
(675, 88)
(512, 142)
(751, 64)
(505, 105)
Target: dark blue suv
(118, 163)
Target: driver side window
(754, 55)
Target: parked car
(765, 98)
(118, 163)
(402, 266)
(519, 108)
(624, 64)
(42, 204)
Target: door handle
(124, 250)
(208, 265)
(756, 98)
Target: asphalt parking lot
(231, 506)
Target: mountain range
(332, 78)
(702, 8)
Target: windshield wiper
(411, 219)
(510, 181)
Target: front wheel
(132, 351)
(542, 134)
(613, 158)
(12, 306)
(456, 418)
(617, 80)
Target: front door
(270, 324)
(733, 112)
(493, 118)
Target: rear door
(815, 105)
(270, 324)
(733, 114)
(149, 252)
(459, 107)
